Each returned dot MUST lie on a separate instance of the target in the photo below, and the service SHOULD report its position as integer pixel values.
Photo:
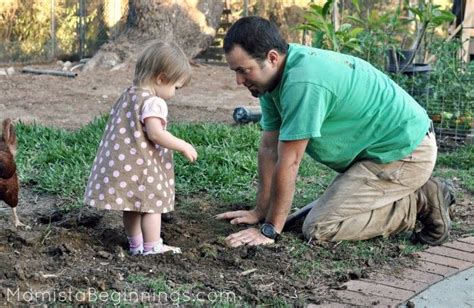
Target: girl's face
(165, 89)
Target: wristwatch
(268, 230)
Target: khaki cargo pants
(371, 199)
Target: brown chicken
(8, 175)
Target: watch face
(269, 231)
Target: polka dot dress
(131, 173)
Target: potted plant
(427, 17)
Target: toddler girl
(133, 170)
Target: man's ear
(273, 56)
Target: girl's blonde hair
(162, 58)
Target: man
(349, 116)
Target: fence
(44, 30)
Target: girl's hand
(189, 152)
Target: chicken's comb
(8, 135)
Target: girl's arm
(156, 132)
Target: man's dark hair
(256, 35)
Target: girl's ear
(160, 79)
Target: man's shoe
(436, 196)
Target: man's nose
(239, 78)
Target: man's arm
(267, 158)
(290, 154)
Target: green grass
(57, 161)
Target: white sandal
(136, 251)
(162, 248)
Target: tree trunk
(192, 24)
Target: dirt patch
(81, 255)
(72, 102)
(78, 255)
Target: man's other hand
(240, 217)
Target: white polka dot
(124, 105)
(95, 167)
(160, 153)
(116, 174)
(157, 146)
(151, 196)
(130, 194)
(137, 134)
(119, 201)
(133, 151)
(101, 160)
(102, 170)
(95, 176)
(111, 163)
(145, 94)
(122, 130)
(97, 186)
(155, 161)
(107, 206)
(106, 144)
(136, 107)
(118, 121)
(171, 182)
(155, 169)
(101, 197)
(127, 167)
(166, 150)
(159, 203)
(89, 193)
(111, 190)
(126, 140)
(106, 180)
(107, 154)
(134, 178)
(145, 171)
(150, 179)
(166, 184)
(139, 161)
(121, 157)
(150, 152)
(123, 184)
(141, 188)
(143, 144)
(116, 146)
(128, 115)
(168, 166)
(165, 194)
(148, 163)
(92, 202)
(134, 98)
(132, 124)
(161, 177)
(101, 143)
(113, 137)
(158, 186)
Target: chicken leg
(17, 221)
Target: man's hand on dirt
(240, 217)
(250, 237)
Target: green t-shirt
(348, 109)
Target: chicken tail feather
(8, 135)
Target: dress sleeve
(154, 107)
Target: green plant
(319, 21)
(427, 17)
